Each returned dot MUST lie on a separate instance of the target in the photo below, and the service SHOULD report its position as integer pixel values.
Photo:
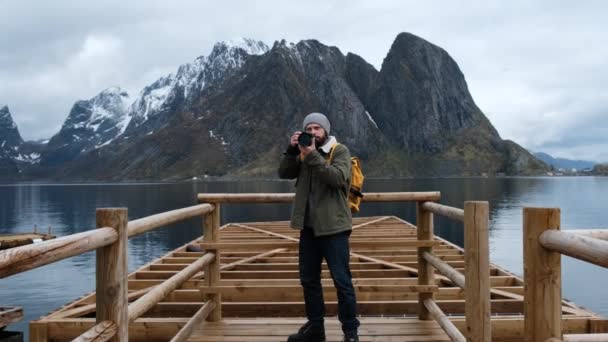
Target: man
(322, 215)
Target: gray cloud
(535, 68)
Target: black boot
(351, 336)
(308, 333)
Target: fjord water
(70, 208)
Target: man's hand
(306, 150)
(294, 138)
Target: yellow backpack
(356, 182)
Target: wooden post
(38, 331)
(212, 272)
(425, 269)
(477, 271)
(542, 277)
(111, 267)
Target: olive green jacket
(325, 185)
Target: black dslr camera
(305, 139)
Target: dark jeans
(336, 252)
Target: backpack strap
(331, 153)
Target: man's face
(318, 131)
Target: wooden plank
(111, 274)
(542, 277)
(477, 271)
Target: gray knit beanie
(317, 118)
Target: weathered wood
(112, 272)
(10, 314)
(601, 234)
(24, 258)
(254, 246)
(101, 332)
(444, 210)
(39, 331)
(445, 269)
(213, 272)
(425, 270)
(477, 271)
(581, 247)
(159, 292)
(443, 321)
(288, 197)
(151, 222)
(586, 338)
(385, 279)
(196, 320)
(542, 277)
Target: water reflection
(70, 208)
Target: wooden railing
(544, 243)
(113, 312)
(477, 269)
(475, 217)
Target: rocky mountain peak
(10, 139)
(90, 124)
(177, 91)
(422, 99)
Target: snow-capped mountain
(230, 113)
(91, 124)
(177, 91)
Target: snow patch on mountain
(191, 78)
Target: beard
(319, 141)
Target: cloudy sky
(538, 69)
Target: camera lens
(305, 139)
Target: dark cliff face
(421, 98)
(10, 139)
(10, 143)
(232, 113)
(268, 99)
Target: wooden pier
(411, 285)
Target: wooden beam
(159, 292)
(425, 270)
(195, 321)
(542, 277)
(103, 331)
(288, 197)
(151, 222)
(444, 210)
(581, 247)
(111, 273)
(477, 271)
(24, 258)
(212, 272)
(601, 234)
(445, 269)
(449, 327)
